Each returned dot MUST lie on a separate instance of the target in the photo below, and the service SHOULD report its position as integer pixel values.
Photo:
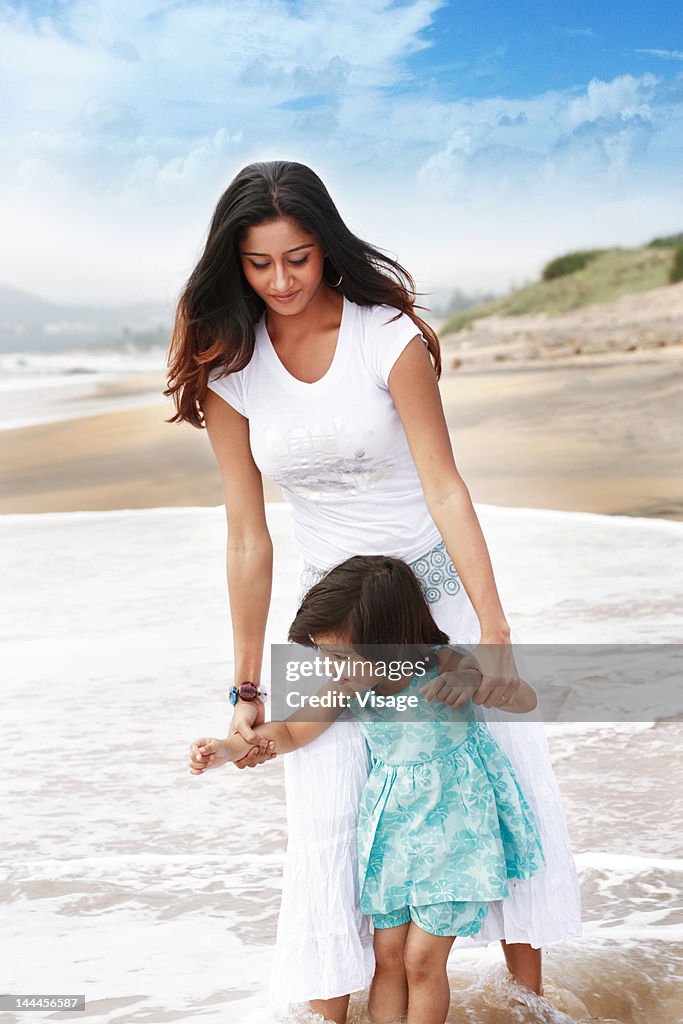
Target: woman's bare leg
(524, 964)
(429, 994)
(389, 990)
(332, 1009)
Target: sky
(471, 140)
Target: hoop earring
(337, 283)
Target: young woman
(298, 346)
(443, 823)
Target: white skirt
(324, 943)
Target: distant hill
(601, 276)
(444, 302)
(31, 324)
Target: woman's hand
(247, 714)
(454, 688)
(499, 677)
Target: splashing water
(611, 985)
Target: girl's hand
(246, 715)
(208, 753)
(500, 680)
(453, 688)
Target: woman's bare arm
(249, 548)
(415, 392)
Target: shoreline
(583, 433)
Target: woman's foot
(333, 1010)
(525, 964)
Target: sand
(587, 433)
(595, 434)
(639, 321)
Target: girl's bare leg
(332, 1009)
(524, 964)
(389, 990)
(429, 994)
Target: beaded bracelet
(247, 691)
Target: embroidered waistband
(434, 570)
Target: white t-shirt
(337, 447)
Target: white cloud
(124, 82)
(586, 33)
(170, 179)
(624, 97)
(99, 117)
(130, 119)
(549, 142)
(664, 54)
(124, 122)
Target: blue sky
(472, 140)
(521, 49)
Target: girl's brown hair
(377, 602)
(217, 310)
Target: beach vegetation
(569, 263)
(677, 266)
(667, 241)
(605, 276)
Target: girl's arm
(306, 724)
(249, 555)
(286, 736)
(300, 729)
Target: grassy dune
(610, 274)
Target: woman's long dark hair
(377, 602)
(217, 310)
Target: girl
(443, 823)
(299, 347)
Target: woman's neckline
(331, 369)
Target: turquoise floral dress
(442, 816)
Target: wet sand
(588, 433)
